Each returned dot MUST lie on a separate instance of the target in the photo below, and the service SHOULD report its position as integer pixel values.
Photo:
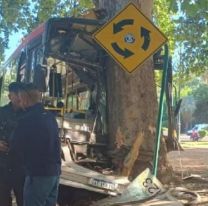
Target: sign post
(160, 113)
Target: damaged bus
(62, 60)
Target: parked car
(194, 132)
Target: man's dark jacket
(37, 137)
(8, 121)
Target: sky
(14, 41)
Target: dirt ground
(191, 168)
(190, 187)
(190, 161)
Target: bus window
(1, 82)
(84, 100)
(79, 102)
(21, 76)
(72, 103)
(59, 37)
(39, 77)
(55, 83)
(39, 56)
(33, 64)
(36, 56)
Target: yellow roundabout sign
(130, 38)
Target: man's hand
(3, 146)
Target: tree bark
(132, 106)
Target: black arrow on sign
(146, 34)
(119, 26)
(125, 53)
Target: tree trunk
(132, 107)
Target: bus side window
(21, 70)
(39, 56)
(55, 83)
(40, 73)
(1, 83)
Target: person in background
(11, 167)
(36, 136)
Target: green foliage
(187, 109)
(202, 133)
(201, 92)
(189, 86)
(185, 91)
(192, 35)
(201, 97)
(162, 18)
(55, 8)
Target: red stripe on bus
(35, 33)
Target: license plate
(103, 184)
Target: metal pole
(160, 112)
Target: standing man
(36, 136)
(11, 167)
